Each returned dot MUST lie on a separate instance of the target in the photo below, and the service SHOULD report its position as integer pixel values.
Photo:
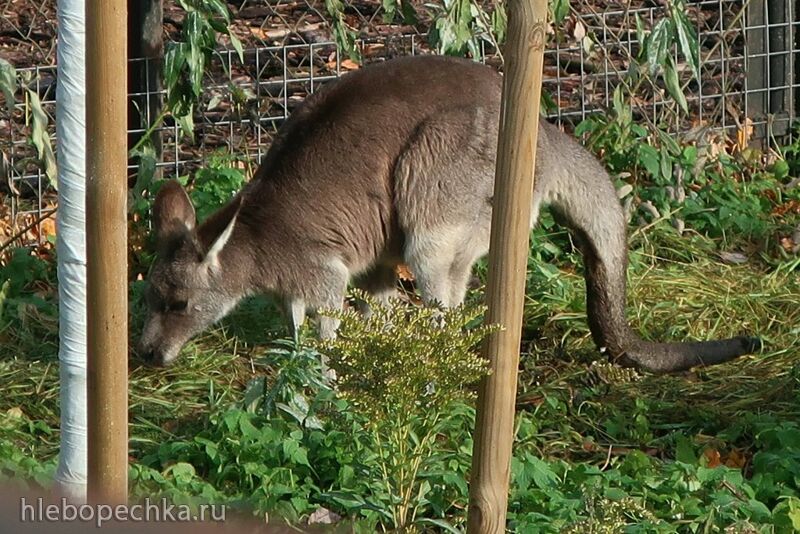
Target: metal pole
(508, 259)
(71, 245)
(780, 65)
(106, 244)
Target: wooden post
(508, 260)
(106, 249)
(781, 66)
(756, 62)
(770, 71)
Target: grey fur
(393, 163)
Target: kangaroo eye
(177, 306)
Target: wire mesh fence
(747, 80)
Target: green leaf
(220, 8)
(649, 158)
(210, 447)
(615, 494)
(246, 427)
(794, 512)
(666, 165)
(253, 394)
(780, 169)
(659, 43)
(194, 29)
(8, 83)
(543, 475)
(674, 85)
(409, 13)
(237, 45)
(669, 141)
(687, 38)
(181, 471)
(684, 451)
(186, 122)
(4, 295)
(441, 523)
(389, 10)
(560, 10)
(641, 35)
(41, 139)
(145, 174)
(174, 60)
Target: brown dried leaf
(47, 228)
(735, 459)
(403, 273)
(349, 64)
(788, 244)
(744, 134)
(258, 32)
(713, 457)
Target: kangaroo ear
(215, 231)
(173, 213)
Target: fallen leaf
(713, 457)
(323, 516)
(735, 459)
(788, 244)
(15, 412)
(404, 273)
(350, 64)
(744, 134)
(259, 33)
(47, 228)
(580, 31)
(734, 258)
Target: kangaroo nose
(151, 357)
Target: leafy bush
(401, 369)
(26, 289)
(215, 184)
(699, 185)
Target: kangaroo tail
(605, 301)
(584, 198)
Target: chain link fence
(747, 84)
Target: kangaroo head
(186, 289)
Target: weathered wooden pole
(106, 249)
(508, 260)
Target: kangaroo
(391, 163)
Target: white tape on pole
(71, 246)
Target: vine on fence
(185, 62)
(10, 82)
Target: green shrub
(403, 368)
